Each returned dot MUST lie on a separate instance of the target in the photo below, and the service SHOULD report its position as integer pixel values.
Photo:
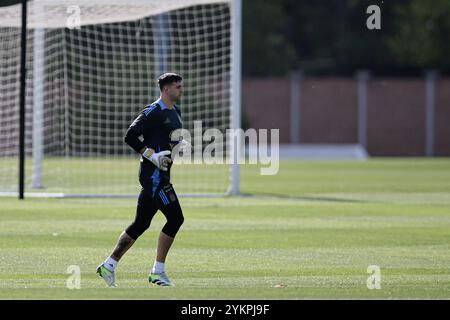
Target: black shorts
(150, 177)
(157, 193)
(161, 197)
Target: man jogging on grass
(155, 123)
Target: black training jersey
(155, 124)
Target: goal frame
(37, 135)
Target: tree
(266, 49)
(422, 33)
(330, 37)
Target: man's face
(175, 90)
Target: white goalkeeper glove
(159, 159)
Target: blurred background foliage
(330, 37)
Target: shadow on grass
(304, 198)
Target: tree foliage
(422, 34)
(331, 37)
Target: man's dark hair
(168, 78)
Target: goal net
(92, 67)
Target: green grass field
(309, 232)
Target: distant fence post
(430, 79)
(295, 77)
(362, 78)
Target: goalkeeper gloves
(159, 159)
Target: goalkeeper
(155, 123)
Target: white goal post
(92, 67)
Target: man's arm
(132, 139)
(146, 119)
(136, 129)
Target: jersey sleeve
(145, 120)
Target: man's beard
(176, 99)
